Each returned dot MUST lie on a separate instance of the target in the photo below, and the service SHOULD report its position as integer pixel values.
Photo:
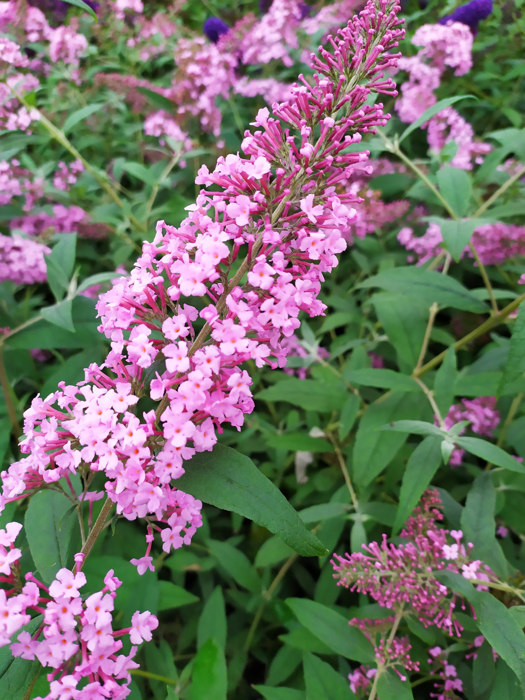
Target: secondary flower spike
(255, 249)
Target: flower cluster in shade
(390, 654)
(470, 14)
(483, 418)
(442, 46)
(372, 213)
(403, 575)
(495, 243)
(448, 682)
(22, 260)
(74, 636)
(223, 288)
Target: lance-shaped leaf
(229, 480)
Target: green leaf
(431, 112)
(60, 315)
(209, 679)
(72, 370)
(421, 467)
(273, 551)
(375, 448)
(309, 394)
(426, 286)
(140, 172)
(212, 622)
(348, 415)
(404, 320)
(502, 632)
(323, 682)
(302, 639)
(46, 336)
(323, 511)
(60, 263)
(156, 99)
(478, 524)
(159, 661)
(17, 675)
(172, 596)
(227, 479)
(417, 427)
(84, 112)
(332, 629)
(382, 379)
(298, 441)
(492, 453)
(506, 685)
(283, 664)
(171, 694)
(358, 536)
(64, 252)
(99, 278)
(456, 234)
(515, 366)
(49, 525)
(236, 564)
(483, 670)
(270, 693)
(391, 687)
(455, 187)
(444, 382)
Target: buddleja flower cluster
(72, 636)
(401, 577)
(223, 288)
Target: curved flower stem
(98, 527)
(59, 136)
(499, 586)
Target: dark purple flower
(470, 14)
(56, 10)
(264, 6)
(214, 28)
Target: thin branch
(480, 330)
(508, 420)
(432, 317)
(346, 475)
(497, 194)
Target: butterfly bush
(73, 635)
(401, 577)
(495, 243)
(442, 46)
(223, 288)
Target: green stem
(152, 676)
(97, 529)
(394, 147)
(490, 323)
(508, 420)
(490, 201)
(66, 143)
(267, 598)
